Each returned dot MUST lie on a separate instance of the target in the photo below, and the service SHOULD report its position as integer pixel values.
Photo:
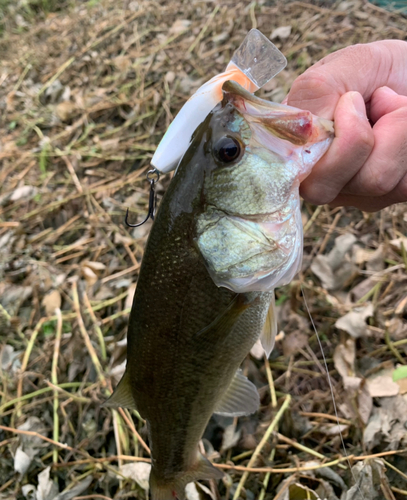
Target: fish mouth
(299, 127)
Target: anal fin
(268, 335)
(241, 398)
(122, 395)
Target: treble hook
(152, 202)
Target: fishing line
(332, 392)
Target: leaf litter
(87, 91)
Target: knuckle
(379, 181)
(360, 142)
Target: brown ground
(86, 93)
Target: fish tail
(174, 488)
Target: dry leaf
(354, 322)
(282, 32)
(401, 306)
(402, 383)
(387, 424)
(399, 376)
(381, 384)
(29, 491)
(257, 350)
(179, 26)
(52, 301)
(65, 110)
(122, 240)
(26, 192)
(139, 472)
(95, 266)
(76, 490)
(90, 277)
(230, 437)
(335, 269)
(22, 461)
(344, 358)
(371, 483)
(396, 243)
(47, 489)
(293, 342)
(332, 429)
(191, 492)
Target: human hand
(363, 88)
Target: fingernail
(388, 90)
(358, 104)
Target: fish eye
(227, 149)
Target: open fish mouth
(290, 132)
(298, 126)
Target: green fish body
(224, 236)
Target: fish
(227, 232)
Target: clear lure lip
(255, 62)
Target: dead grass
(86, 95)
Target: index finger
(361, 68)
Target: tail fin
(162, 489)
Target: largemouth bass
(227, 232)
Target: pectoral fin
(241, 398)
(122, 396)
(269, 332)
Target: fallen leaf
(282, 32)
(354, 322)
(139, 472)
(89, 275)
(344, 358)
(400, 377)
(381, 384)
(230, 437)
(66, 110)
(386, 426)
(191, 492)
(26, 192)
(22, 461)
(122, 63)
(398, 242)
(293, 342)
(47, 489)
(371, 481)
(52, 301)
(122, 240)
(9, 359)
(179, 26)
(332, 429)
(401, 306)
(402, 383)
(169, 76)
(95, 266)
(76, 490)
(335, 268)
(361, 289)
